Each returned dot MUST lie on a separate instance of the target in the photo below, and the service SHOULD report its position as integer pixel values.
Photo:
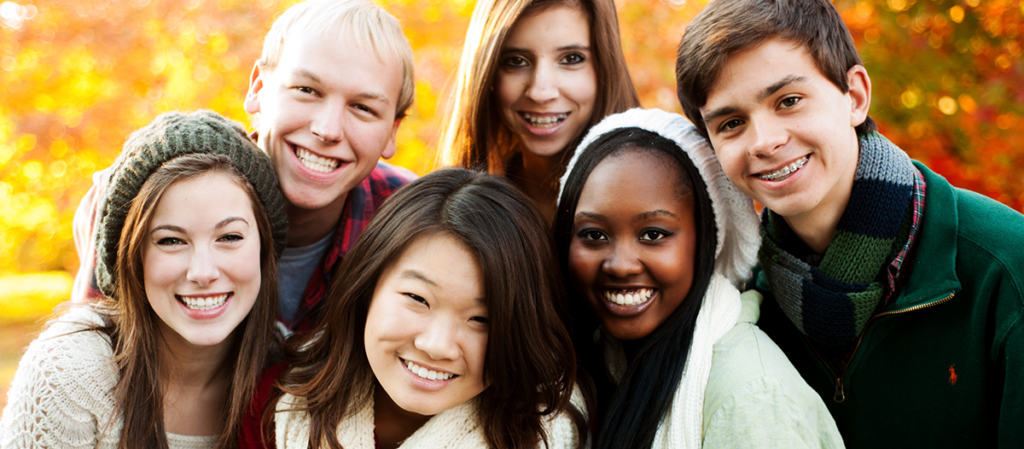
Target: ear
(389, 150)
(860, 94)
(252, 97)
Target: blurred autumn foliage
(77, 77)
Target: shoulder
(70, 346)
(62, 392)
(291, 425)
(983, 223)
(386, 178)
(560, 429)
(755, 394)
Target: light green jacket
(754, 396)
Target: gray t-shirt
(294, 269)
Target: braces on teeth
(628, 299)
(427, 374)
(541, 121)
(209, 303)
(316, 163)
(784, 172)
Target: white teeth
(427, 374)
(316, 163)
(784, 172)
(629, 298)
(544, 122)
(206, 303)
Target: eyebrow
(653, 214)
(367, 95)
(413, 274)
(180, 230)
(527, 50)
(639, 217)
(765, 93)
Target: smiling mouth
(545, 121)
(316, 163)
(784, 172)
(428, 374)
(202, 303)
(629, 297)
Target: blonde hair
(373, 28)
(474, 135)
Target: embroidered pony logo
(952, 374)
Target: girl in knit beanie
(654, 240)
(188, 236)
(442, 329)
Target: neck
(538, 179)
(391, 423)
(308, 226)
(196, 382)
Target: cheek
(583, 266)
(160, 270)
(507, 90)
(476, 351)
(582, 89)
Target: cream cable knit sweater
(454, 428)
(62, 395)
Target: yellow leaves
(26, 143)
(29, 296)
(956, 14)
(899, 5)
(219, 44)
(32, 170)
(911, 97)
(947, 105)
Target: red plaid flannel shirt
(360, 206)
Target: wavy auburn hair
(529, 363)
(474, 135)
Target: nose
(768, 136)
(543, 86)
(623, 260)
(438, 339)
(329, 122)
(202, 268)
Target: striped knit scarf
(831, 297)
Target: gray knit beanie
(172, 135)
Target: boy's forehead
(327, 56)
(754, 73)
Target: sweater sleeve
(62, 392)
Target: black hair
(632, 413)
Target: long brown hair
(474, 135)
(134, 332)
(530, 363)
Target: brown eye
(573, 59)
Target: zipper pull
(840, 394)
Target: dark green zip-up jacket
(943, 365)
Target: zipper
(840, 394)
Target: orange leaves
(78, 76)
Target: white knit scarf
(683, 425)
